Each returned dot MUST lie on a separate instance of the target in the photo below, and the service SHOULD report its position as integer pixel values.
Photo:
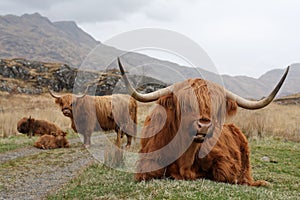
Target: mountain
(35, 37)
(169, 73)
(292, 84)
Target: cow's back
(115, 110)
(41, 127)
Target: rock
(34, 77)
(265, 159)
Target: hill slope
(35, 37)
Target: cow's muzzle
(203, 129)
(67, 112)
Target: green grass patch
(19, 141)
(14, 142)
(283, 172)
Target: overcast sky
(241, 37)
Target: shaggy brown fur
(52, 142)
(116, 112)
(173, 144)
(33, 127)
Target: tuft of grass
(281, 121)
(101, 182)
(18, 141)
(14, 142)
(14, 107)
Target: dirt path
(30, 173)
(26, 151)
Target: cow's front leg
(85, 127)
(129, 139)
(87, 139)
(145, 173)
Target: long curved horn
(242, 102)
(84, 94)
(153, 96)
(252, 105)
(81, 95)
(77, 96)
(52, 94)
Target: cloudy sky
(241, 37)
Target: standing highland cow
(93, 113)
(184, 136)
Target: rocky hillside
(35, 37)
(293, 99)
(34, 77)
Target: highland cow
(33, 127)
(95, 113)
(185, 137)
(52, 141)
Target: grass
(272, 132)
(281, 121)
(14, 142)
(26, 169)
(283, 172)
(20, 140)
(14, 107)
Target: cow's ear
(30, 120)
(58, 101)
(231, 107)
(167, 101)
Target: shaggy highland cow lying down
(51, 135)
(185, 137)
(33, 127)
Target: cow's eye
(71, 105)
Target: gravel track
(26, 151)
(31, 173)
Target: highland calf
(185, 137)
(33, 127)
(52, 142)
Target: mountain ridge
(35, 37)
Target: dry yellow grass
(13, 107)
(274, 120)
